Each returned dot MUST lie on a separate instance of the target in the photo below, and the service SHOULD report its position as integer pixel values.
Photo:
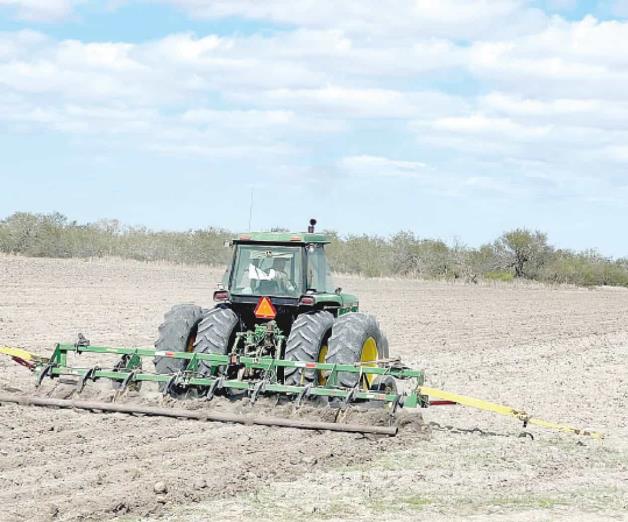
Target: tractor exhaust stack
(310, 228)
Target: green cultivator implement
(234, 376)
(379, 385)
(279, 329)
(128, 372)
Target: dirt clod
(160, 488)
(200, 484)
(120, 508)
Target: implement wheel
(307, 342)
(215, 335)
(356, 338)
(177, 334)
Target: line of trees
(517, 254)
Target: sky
(452, 119)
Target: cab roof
(299, 238)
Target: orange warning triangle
(265, 309)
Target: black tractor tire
(176, 334)
(215, 335)
(310, 332)
(348, 337)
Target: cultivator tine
(123, 386)
(303, 394)
(350, 396)
(46, 370)
(125, 383)
(259, 387)
(170, 385)
(216, 385)
(89, 374)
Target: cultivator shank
(253, 375)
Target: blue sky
(449, 118)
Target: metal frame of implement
(129, 371)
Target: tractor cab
(278, 269)
(290, 269)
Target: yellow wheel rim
(322, 355)
(368, 356)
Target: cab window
(268, 270)
(318, 273)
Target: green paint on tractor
(289, 267)
(302, 238)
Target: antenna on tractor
(310, 229)
(251, 209)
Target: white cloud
(19, 44)
(40, 10)
(261, 120)
(449, 181)
(358, 103)
(354, 102)
(284, 72)
(567, 59)
(576, 112)
(458, 19)
(552, 102)
(481, 125)
(378, 167)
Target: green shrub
(499, 275)
(518, 253)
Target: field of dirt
(559, 353)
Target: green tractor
(277, 299)
(279, 329)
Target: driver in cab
(279, 273)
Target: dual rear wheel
(315, 337)
(190, 328)
(177, 334)
(351, 338)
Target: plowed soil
(559, 353)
